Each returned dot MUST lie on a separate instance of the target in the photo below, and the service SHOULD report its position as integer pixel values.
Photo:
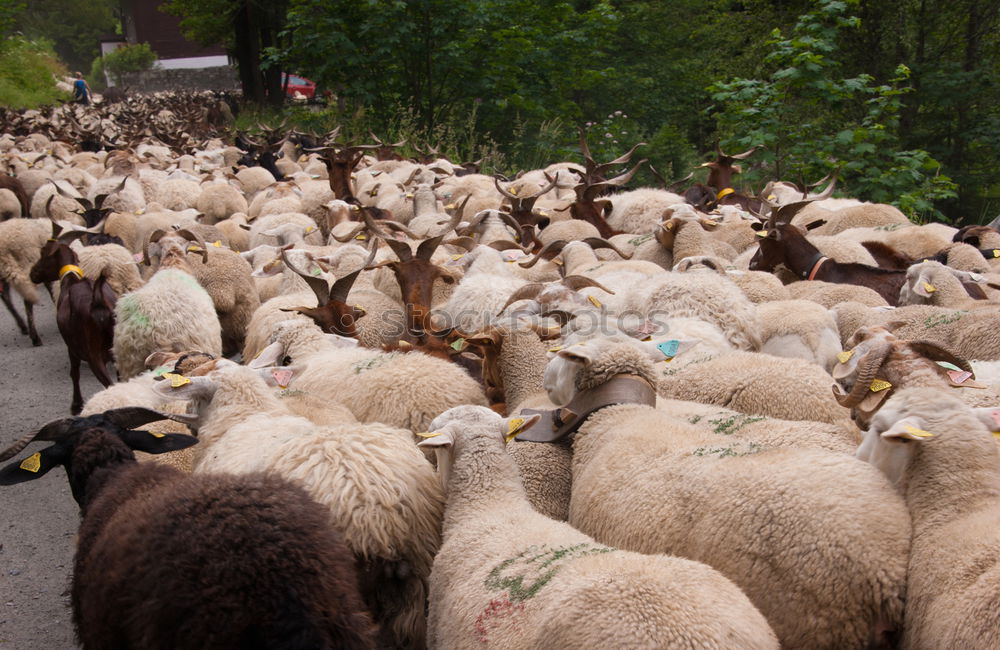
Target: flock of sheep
(439, 409)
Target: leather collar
(813, 266)
(556, 424)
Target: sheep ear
(578, 353)
(922, 287)
(36, 465)
(193, 389)
(909, 428)
(510, 427)
(847, 362)
(269, 356)
(277, 376)
(436, 439)
(342, 341)
(989, 416)
(152, 442)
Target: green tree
(129, 58)
(811, 118)
(246, 28)
(75, 27)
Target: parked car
(298, 85)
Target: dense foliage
(27, 73)
(128, 58)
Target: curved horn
(935, 352)
(53, 430)
(84, 203)
(505, 193)
(468, 243)
(342, 287)
(351, 235)
(577, 282)
(101, 198)
(318, 285)
(153, 237)
(130, 417)
(598, 242)
(527, 292)
(555, 247)
(190, 236)
(867, 367)
(401, 249)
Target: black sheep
(171, 560)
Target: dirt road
(38, 519)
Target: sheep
(508, 577)
(817, 540)
(10, 205)
(760, 286)
(282, 229)
(933, 283)
(379, 490)
(178, 193)
(254, 180)
(114, 262)
(48, 200)
(968, 334)
(154, 565)
(422, 386)
(866, 215)
(758, 384)
(829, 294)
(129, 198)
(172, 311)
(799, 329)
(281, 198)
(219, 201)
(639, 211)
(944, 462)
(21, 242)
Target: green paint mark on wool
(732, 424)
(890, 227)
(732, 450)
(128, 307)
(538, 565)
(372, 362)
(942, 319)
(640, 240)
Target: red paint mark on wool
(497, 608)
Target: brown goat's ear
(816, 224)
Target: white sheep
(799, 329)
(817, 540)
(21, 242)
(508, 577)
(945, 464)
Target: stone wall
(218, 78)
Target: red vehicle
(300, 85)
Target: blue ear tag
(669, 348)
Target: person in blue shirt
(81, 91)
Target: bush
(130, 58)
(96, 79)
(28, 73)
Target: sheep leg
(5, 295)
(29, 312)
(52, 294)
(74, 373)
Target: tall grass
(27, 70)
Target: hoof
(36, 342)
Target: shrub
(28, 73)
(130, 58)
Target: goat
(84, 314)
(593, 184)
(155, 565)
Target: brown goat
(84, 314)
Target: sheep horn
(460, 211)
(342, 287)
(505, 193)
(351, 235)
(190, 236)
(597, 242)
(527, 292)
(54, 430)
(555, 247)
(468, 243)
(935, 352)
(505, 245)
(867, 367)
(153, 237)
(318, 285)
(577, 282)
(130, 417)
(48, 208)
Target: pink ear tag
(282, 377)
(512, 255)
(137, 257)
(959, 376)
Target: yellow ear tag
(361, 237)
(194, 249)
(455, 258)
(450, 206)
(771, 197)
(594, 301)
(996, 434)
(513, 427)
(309, 229)
(32, 463)
(429, 435)
(929, 288)
(557, 261)
(711, 222)
(217, 243)
(762, 233)
(176, 381)
(879, 385)
(555, 349)
(513, 191)
(996, 252)
(920, 433)
(844, 357)
(156, 435)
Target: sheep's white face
(890, 442)
(560, 377)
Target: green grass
(26, 69)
